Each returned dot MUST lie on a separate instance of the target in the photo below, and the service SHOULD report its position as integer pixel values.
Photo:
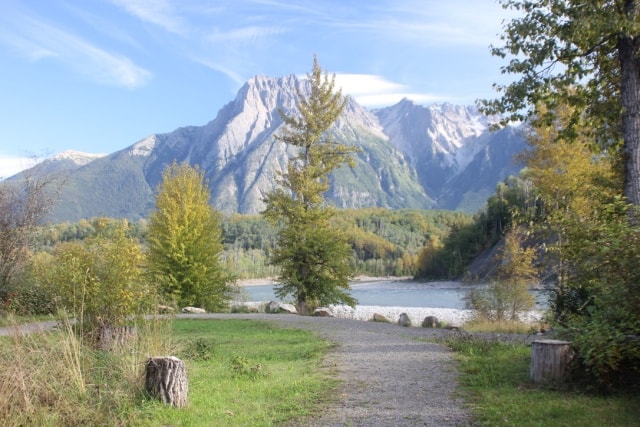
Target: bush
(99, 280)
(508, 294)
(605, 328)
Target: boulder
(280, 307)
(165, 309)
(404, 320)
(193, 310)
(377, 317)
(430, 322)
(322, 312)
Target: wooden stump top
(552, 342)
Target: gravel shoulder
(389, 376)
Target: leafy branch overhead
(584, 54)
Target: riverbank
(447, 316)
(357, 279)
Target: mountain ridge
(410, 157)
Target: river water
(388, 293)
(393, 293)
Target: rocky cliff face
(411, 156)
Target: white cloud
(11, 165)
(444, 23)
(371, 90)
(37, 40)
(157, 12)
(232, 74)
(245, 34)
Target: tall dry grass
(60, 378)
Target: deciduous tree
(582, 53)
(507, 296)
(314, 258)
(185, 241)
(99, 280)
(24, 202)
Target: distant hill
(440, 156)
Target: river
(394, 293)
(387, 294)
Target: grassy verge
(495, 382)
(505, 326)
(244, 373)
(240, 373)
(12, 320)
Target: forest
(384, 242)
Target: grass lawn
(495, 382)
(240, 373)
(244, 373)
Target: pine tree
(185, 241)
(313, 257)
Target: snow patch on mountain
(143, 147)
(77, 157)
(451, 133)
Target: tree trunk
(550, 360)
(113, 337)
(166, 379)
(628, 49)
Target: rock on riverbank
(450, 316)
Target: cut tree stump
(550, 360)
(113, 337)
(166, 379)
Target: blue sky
(98, 75)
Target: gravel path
(389, 378)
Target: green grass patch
(504, 326)
(244, 373)
(494, 380)
(240, 373)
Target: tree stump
(113, 337)
(166, 379)
(550, 360)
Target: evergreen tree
(314, 258)
(185, 241)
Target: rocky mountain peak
(409, 157)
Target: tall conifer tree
(313, 257)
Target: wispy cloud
(372, 90)
(231, 73)
(111, 29)
(244, 34)
(452, 22)
(158, 12)
(35, 40)
(11, 165)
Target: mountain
(441, 156)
